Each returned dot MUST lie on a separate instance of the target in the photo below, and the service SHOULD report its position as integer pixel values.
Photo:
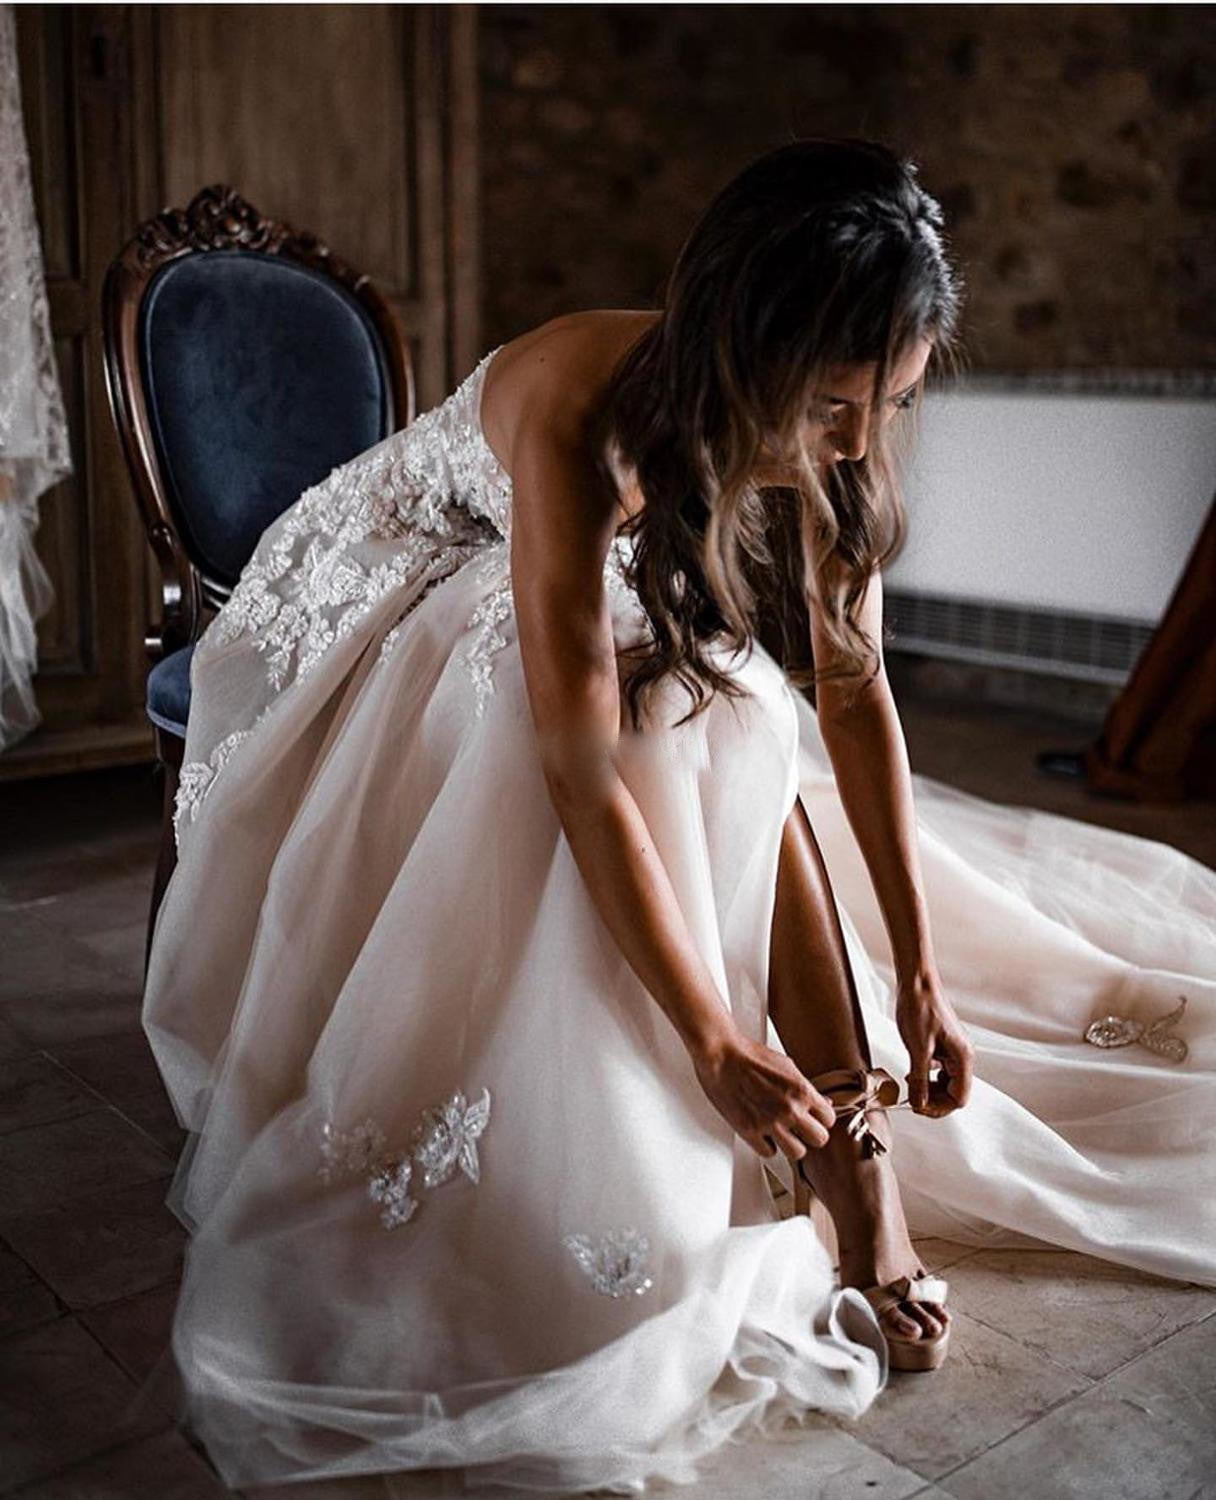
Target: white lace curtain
(34, 451)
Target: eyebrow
(843, 401)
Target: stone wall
(1073, 148)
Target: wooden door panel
(357, 123)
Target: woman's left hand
(933, 1033)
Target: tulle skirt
(455, 1196)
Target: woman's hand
(763, 1096)
(933, 1034)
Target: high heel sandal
(857, 1090)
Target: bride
(501, 957)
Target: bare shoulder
(551, 380)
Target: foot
(862, 1196)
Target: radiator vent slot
(1091, 648)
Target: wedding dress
(455, 1196)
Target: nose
(848, 435)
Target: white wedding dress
(455, 1196)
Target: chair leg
(169, 750)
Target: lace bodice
(446, 448)
(390, 524)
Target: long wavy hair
(823, 252)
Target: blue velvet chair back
(260, 375)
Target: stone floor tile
(64, 1400)
(121, 948)
(163, 1466)
(13, 1045)
(153, 1114)
(106, 1003)
(48, 1166)
(989, 1386)
(423, 1484)
(112, 898)
(816, 1462)
(116, 1066)
(94, 807)
(1086, 1314)
(1147, 1432)
(135, 1331)
(25, 1300)
(35, 877)
(39, 961)
(53, 989)
(936, 1254)
(101, 1245)
(819, 1459)
(35, 1090)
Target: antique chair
(243, 362)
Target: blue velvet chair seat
(168, 702)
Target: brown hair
(822, 252)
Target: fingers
(819, 1111)
(788, 1142)
(762, 1145)
(952, 1087)
(918, 1088)
(960, 1083)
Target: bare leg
(814, 1007)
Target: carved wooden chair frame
(216, 218)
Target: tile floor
(1068, 1377)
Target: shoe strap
(907, 1289)
(864, 1088)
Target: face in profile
(838, 424)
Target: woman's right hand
(763, 1095)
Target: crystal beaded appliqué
(443, 1140)
(1121, 1031)
(351, 1153)
(615, 1264)
(446, 1138)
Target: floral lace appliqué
(443, 1140)
(495, 608)
(424, 499)
(615, 1264)
(498, 605)
(197, 777)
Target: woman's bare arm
(562, 525)
(869, 755)
(869, 758)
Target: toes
(906, 1327)
(924, 1313)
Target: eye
(906, 401)
(824, 412)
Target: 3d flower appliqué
(390, 1187)
(447, 1136)
(1121, 1031)
(615, 1264)
(351, 1153)
(443, 1140)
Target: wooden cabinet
(358, 123)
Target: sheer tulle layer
(1041, 925)
(376, 907)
